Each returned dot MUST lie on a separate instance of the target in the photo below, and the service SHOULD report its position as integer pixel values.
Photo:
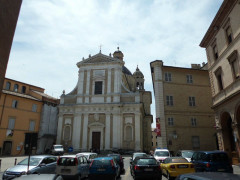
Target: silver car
(44, 164)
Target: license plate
(65, 170)
(148, 169)
(182, 166)
(101, 170)
(221, 169)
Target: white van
(161, 154)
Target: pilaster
(85, 132)
(76, 132)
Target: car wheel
(168, 176)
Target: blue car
(211, 161)
(104, 168)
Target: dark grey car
(208, 176)
(44, 164)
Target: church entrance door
(96, 141)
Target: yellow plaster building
(20, 117)
(183, 105)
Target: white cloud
(52, 36)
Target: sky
(53, 35)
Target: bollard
(0, 164)
(15, 162)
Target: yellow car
(175, 166)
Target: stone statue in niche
(96, 117)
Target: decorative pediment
(99, 58)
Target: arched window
(129, 133)
(8, 86)
(67, 133)
(15, 87)
(23, 89)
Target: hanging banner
(158, 127)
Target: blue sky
(53, 35)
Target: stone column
(116, 131)
(87, 87)
(109, 85)
(137, 132)
(80, 86)
(59, 129)
(107, 132)
(85, 132)
(76, 132)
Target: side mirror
(123, 158)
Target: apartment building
(222, 44)
(23, 109)
(184, 116)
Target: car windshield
(147, 162)
(101, 162)
(58, 147)
(187, 154)
(179, 160)
(161, 153)
(33, 161)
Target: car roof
(211, 175)
(139, 153)
(211, 152)
(114, 154)
(176, 157)
(86, 153)
(103, 158)
(41, 156)
(73, 156)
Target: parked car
(104, 168)
(211, 161)
(57, 150)
(37, 164)
(89, 155)
(39, 177)
(72, 166)
(187, 154)
(174, 166)
(136, 154)
(119, 160)
(146, 167)
(161, 154)
(208, 176)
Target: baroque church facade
(107, 109)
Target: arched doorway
(237, 115)
(227, 134)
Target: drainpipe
(3, 109)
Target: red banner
(158, 127)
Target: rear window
(66, 161)
(117, 157)
(101, 162)
(58, 147)
(187, 154)
(147, 162)
(218, 157)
